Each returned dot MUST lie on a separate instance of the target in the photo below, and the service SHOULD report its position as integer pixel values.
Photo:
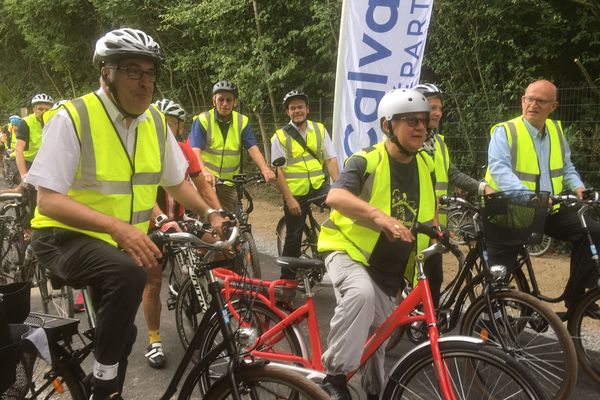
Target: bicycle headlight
(247, 337)
(498, 272)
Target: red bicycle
(452, 367)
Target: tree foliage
(478, 51)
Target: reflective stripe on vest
(442, 164)
(340, 233)
(526, 167)
(222, 156)
(302, 170)
(107, 179)
(35, 137)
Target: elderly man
(530, 152)
(97, 173)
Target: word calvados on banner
(381, 48)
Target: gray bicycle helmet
(428, 89)
(169, 107)
(127, 42)
(41, 98)
(225, 86)
(294, 94)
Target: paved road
(145, 383)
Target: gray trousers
(361, 307)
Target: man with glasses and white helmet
(167, 212)
(97, 173)
(367, 243)
(217, 137)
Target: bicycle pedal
(171, 303)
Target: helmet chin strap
(394, 140)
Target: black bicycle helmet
(294, 94)
(225, 86)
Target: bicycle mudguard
(454, 338)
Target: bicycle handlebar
(185, 237)
(242, 179)
(441, 236)
(446, 200)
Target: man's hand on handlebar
(268, 175)
(216, 221)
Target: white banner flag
(381, 47)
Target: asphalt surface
(145, 383)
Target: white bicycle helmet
(127, 42)
(169, 107)
(41, 98)
(401, 101)
(225, 86)
(428, 89)
(294, 94)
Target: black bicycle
(584, 318)
(64, 377)
(520, 324)
(310, 231)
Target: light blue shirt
(499, 161)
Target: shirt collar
(533, 131)
(298, 128)
(113, 112)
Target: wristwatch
(161, 219)
(211, 211)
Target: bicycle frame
(401, 316)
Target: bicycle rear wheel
(12, 250)
(261, 318)
(267, 383)
(476, 371)
(534, 334)
(59, 301)
(584, 327)
(308, 244)
(37, 379)
(541, 248)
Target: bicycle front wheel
(476, 371)
(189, 311)
(267, 383)
(260, 318)
(248, 257)
(584, 326)
(308, 244)
(533, 334)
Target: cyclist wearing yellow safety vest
(217, 137)
(446, 176)
(9, 135)
(306, 147)
(29, 139)
(531, 152)
(97, 173)
(381, 192)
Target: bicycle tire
(266, 383)
(263, 318)
(537, 250)
(457, 222)
(414, 375)
(248, 257)
(188, 312)
(307, 249)
(583, 327)
(534, 334)
(45, 381)
(12, 251)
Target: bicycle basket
(515, 217)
